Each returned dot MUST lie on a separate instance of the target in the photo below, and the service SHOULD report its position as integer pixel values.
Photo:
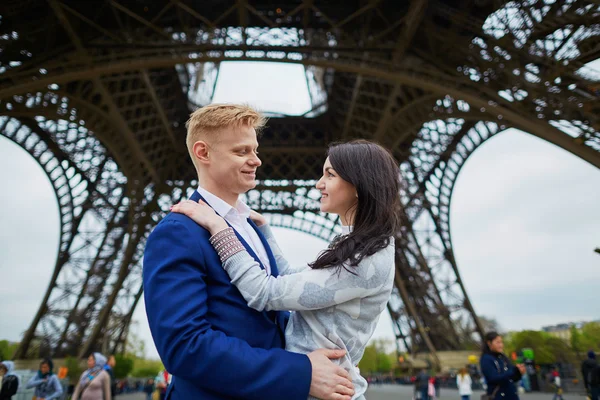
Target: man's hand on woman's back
(329, 381)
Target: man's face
(233, 160)
(112, 362)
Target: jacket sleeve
(57, 388)
(175, 292)
(493, 377)
(33, 382)
(10, 385)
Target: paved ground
(397, 392)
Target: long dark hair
(372, 170)
(490, 336)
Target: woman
(9, 382)
(339, 297)
(500, 375)
(94, 383)
(46, 383)
(463, 382)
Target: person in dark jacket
(500, 375)
(10, 382)
(591, 375)
(110, 364)
(421, 385)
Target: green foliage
(146, 368)
(377, 358)
(368, 363)
(7, 349)
(75, 369)
(124, 365)
(547, 349)
(590, 333)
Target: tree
(124, 365)
(590, 333)
(74, 369)
(547, 349)
(368, 363)
(576, 341)
(7, 349)
(489, 324)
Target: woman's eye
(330, 174)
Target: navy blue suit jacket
(213, 344)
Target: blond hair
(215, 117)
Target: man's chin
(249, 185)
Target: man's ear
(200, 151)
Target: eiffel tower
(98, 93)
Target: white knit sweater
(331, 308)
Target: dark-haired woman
(337, 299)
(500, 375)
(46, 383)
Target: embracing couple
(218, 290)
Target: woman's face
(44, 368)
(91, 363)
(496, 345)
(3, 370)
(337, 195)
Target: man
(422, 385)
(591, 375)
(213, 344)
(109, 367)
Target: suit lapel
(197, 196)
(274, 270)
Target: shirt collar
(221, 206)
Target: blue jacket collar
(274, 271)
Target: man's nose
(256, 161)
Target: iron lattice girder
(417, 76)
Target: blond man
(213, 344)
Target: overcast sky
(525, 222)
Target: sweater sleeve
(309, 289)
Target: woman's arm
(106, 386)
(33, 382)
(494, 376)
(310, 289)
(57, 388)
(76, 392)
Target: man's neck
(229, 198)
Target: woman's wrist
(217, 226)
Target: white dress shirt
(238, 219)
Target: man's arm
(176, 303)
